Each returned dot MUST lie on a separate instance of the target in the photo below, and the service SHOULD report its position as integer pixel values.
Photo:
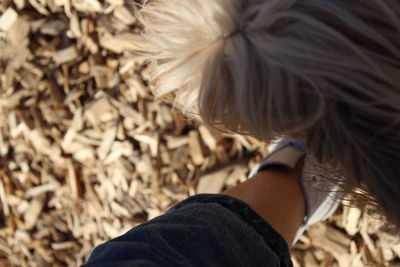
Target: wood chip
(65, 55)
(32, 214)
(7, 19)
(108, 139)
(212, 183)
(207, 137)
(123, 42)
(3, 199)
(351, 217)
(53, 27)
(195, 149)
(74, 182)
(123, 14)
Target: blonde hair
(325, 71)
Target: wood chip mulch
(86, 153)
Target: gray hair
(324, 71)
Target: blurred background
(86, 153)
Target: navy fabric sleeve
(204, 230)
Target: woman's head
(325, 71)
